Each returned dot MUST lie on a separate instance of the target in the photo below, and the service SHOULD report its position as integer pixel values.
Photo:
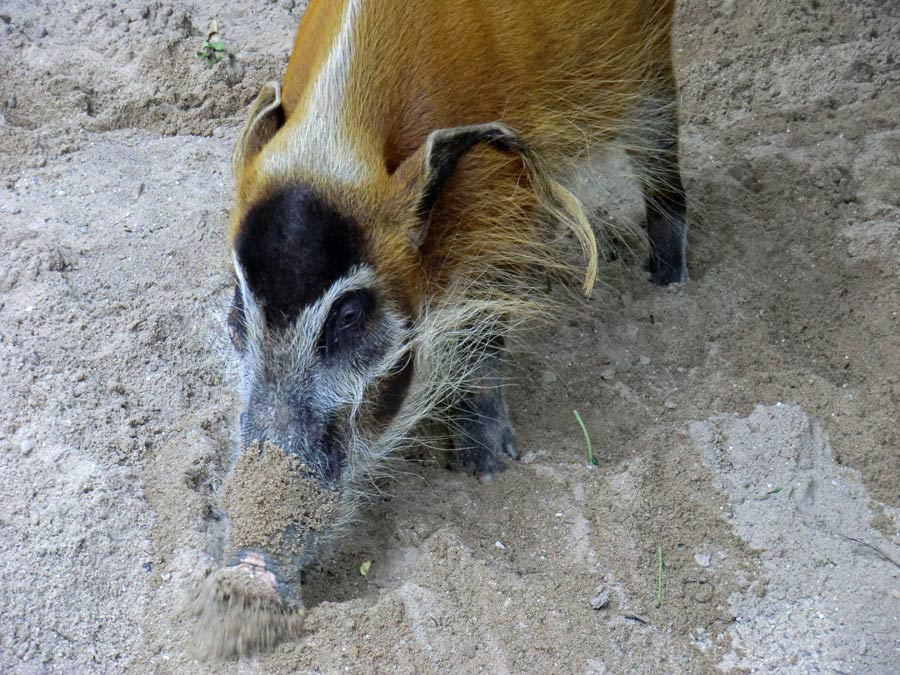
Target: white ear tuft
(265, 118)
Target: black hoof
(664, 274)
(482, 446)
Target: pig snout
(277, 513)
(255, 565)
(242, 609)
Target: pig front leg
(481, 429)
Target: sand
(745, 424)
(274, 504)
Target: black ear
(265, 118)
(422, 177)
(427, 172)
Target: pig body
(398, 196)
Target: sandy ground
(746, 425)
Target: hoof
(664, 274)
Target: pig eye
(347, 320)
(350, 314)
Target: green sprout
(587, 440)
(659, 571)
(212, 51)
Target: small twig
(881, 554)
(632, 617)
(62, 635)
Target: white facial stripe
(319, 140)
(249, 300)
(253, 315)
(334, 388)
(254, 327)
(309, 323)
(314, 315)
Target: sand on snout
(273, 505)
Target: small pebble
(26, 446)
(601, 599)
(703, 593)
(702, 559)
(670, 404)
(549, 377)
(166, 576)
(608, 374)
(499, 544)
(644, 360)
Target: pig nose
(255, 565)
(260, 566)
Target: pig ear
(265, 118)
(425, 174)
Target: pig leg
(482, 432)
(653, 146)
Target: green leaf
(587, 440)
(659, 575)
(364, 568)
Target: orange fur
(566, 76)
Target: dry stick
(881, 554)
